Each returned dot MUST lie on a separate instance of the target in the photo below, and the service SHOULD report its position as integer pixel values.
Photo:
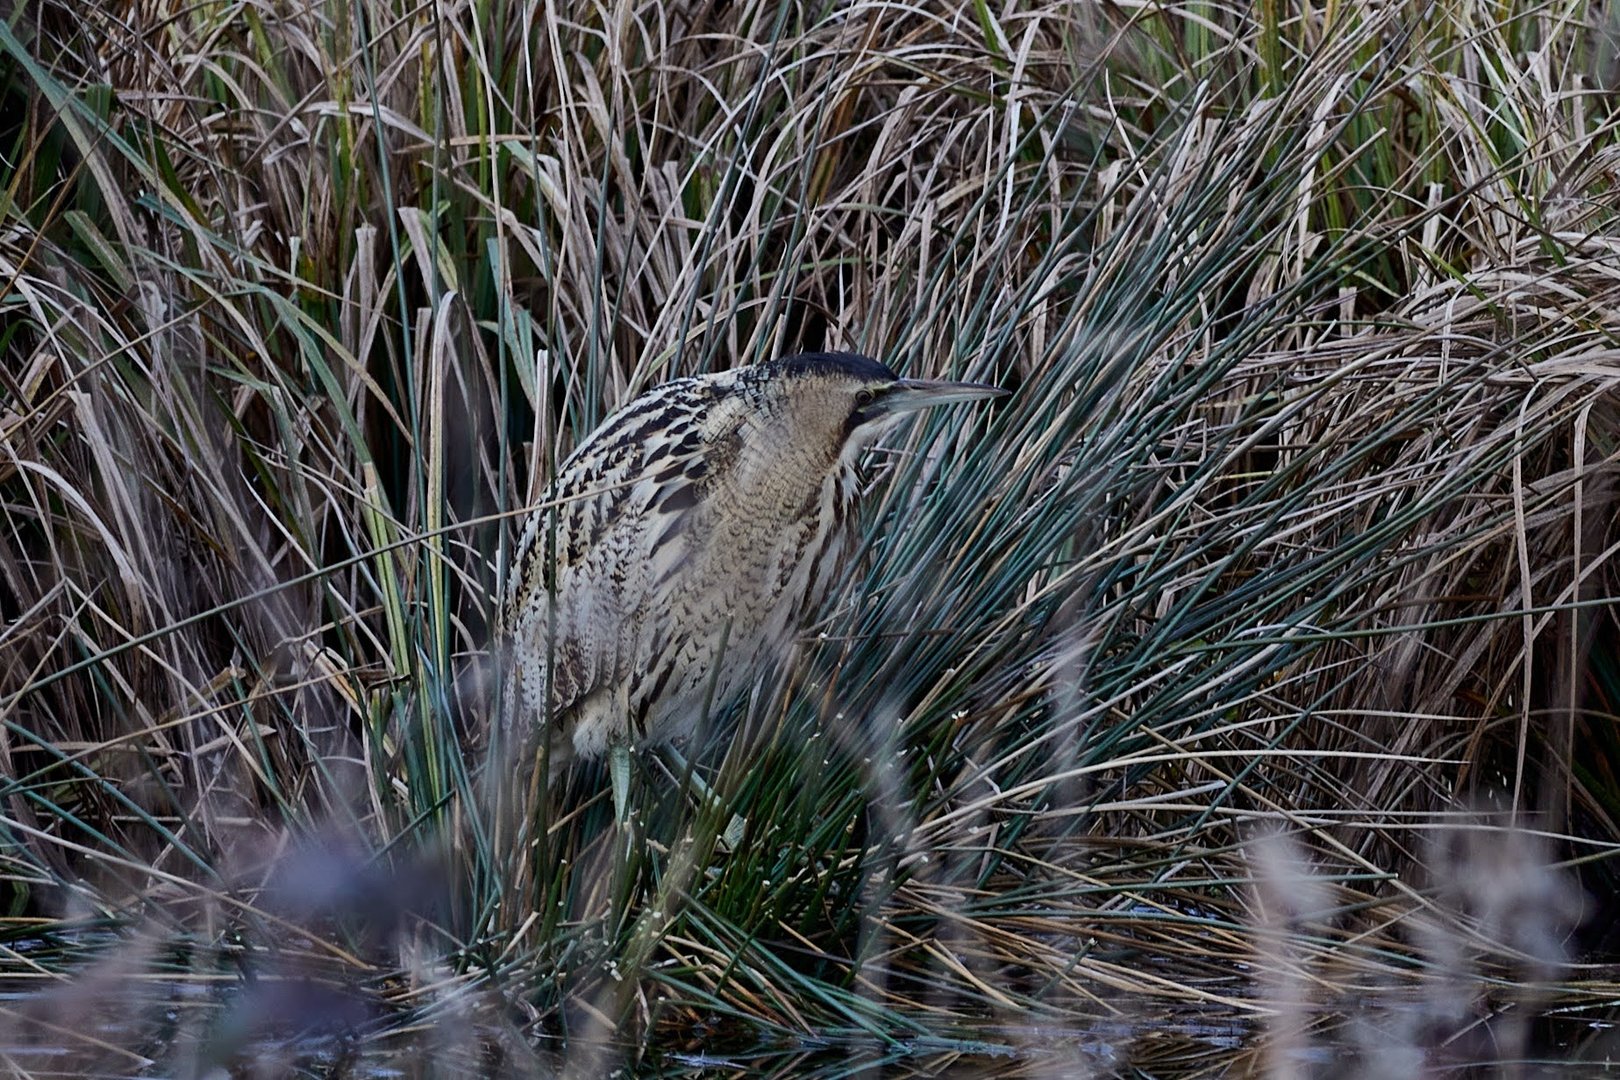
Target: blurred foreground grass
(1255, 662)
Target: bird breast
(736, 580)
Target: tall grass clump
(1298, 524)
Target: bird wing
(621, 515)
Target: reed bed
(1239, 696)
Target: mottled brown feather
(681, 545)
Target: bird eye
(863, 398)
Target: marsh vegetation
(1239, 696)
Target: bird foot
(705, 798)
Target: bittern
(683, 543)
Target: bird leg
(619, 774)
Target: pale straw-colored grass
(1299, 520)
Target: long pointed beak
(910, 394)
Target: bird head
(851, 400)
